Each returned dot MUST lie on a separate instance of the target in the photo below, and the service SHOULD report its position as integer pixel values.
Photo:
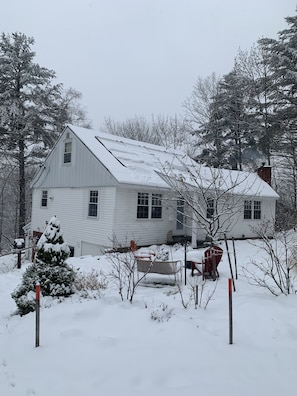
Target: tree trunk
(22, 188)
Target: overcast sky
(140, 57)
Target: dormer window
(67, 152)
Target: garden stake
(230, 311)
(37, 327)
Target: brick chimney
(265, 173)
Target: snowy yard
(153, 346)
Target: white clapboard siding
(143, 231)
(84, 170)
(245, 228)
(70, 205)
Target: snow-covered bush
(56, 278)
(162, 255)
(7, 263)
(162, 314)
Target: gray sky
(140, 57)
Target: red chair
(210, 262)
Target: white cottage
(107, 189)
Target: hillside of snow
(154, 346)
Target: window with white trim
(149, 206)
(252, 210)
(257, 210)
(143, 206)
(67, 152)
(44, 195)
(93, 204)
(156, 210)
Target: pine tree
(283, 55)
(255, 67)
(226, 134)
(27, 107)
(55, 276)
(33, 113)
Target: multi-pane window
(156, 212)
(180, 214)
(257, 210)
(252, 210)
(44, 198)
(209, 208)
(93, 203)
(67, 152)
(247, 210)
(149, 205)
(143, 206)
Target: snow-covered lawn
(153, 346)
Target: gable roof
(129, 161)
(140, 163)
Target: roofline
(90, 151)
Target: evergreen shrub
(55, 276)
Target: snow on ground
(153, 346)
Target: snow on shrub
(56, 278)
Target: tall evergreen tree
(226, 134)
(233, 100)
(27, 107)
(255, 67)
(212, 138)
(283, 56)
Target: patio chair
(209, 265)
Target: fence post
(37, 327)
(230, 311)
(230, 265)
(196, 296)
(19, 264)
(235, 259)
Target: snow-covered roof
(129, 161)
(135, 162)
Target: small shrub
(7, 263)
(90, 284)
(56, 278)
(162, 314)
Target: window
(44, 199)
(93, 204)
(257, 210)
(209, 208)
(67, 152)
(156, 212)
(247, 210)
(149, 205)
(143, 206)
(252, 210)
(180, 212)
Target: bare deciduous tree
(213, 198)
(277, 271)
(124, 274)
(198, 104)
(164, 131)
